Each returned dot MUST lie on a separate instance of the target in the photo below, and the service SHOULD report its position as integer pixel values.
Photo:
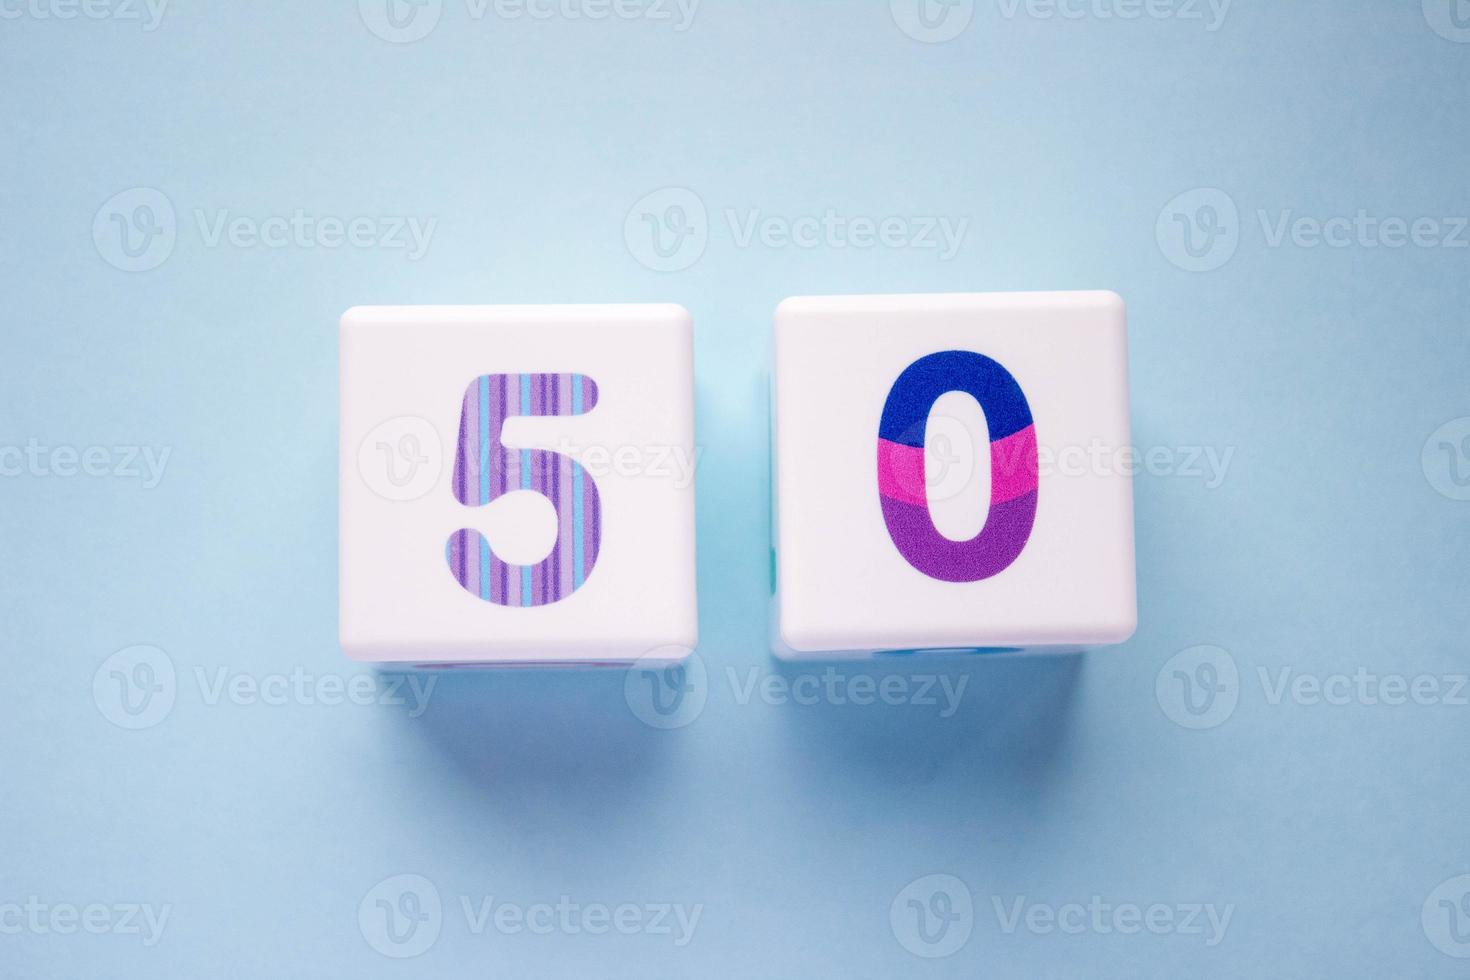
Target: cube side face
(516, 485)
(863, 388)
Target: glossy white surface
(404, 374)
(842, 585)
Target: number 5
(485, 470)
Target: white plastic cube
(952, 472)
(517, 485)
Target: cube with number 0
(952, 474)
(517, 485)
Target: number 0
(1013, 467)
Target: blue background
(1327, 547)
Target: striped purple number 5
(485, 470)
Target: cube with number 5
(517, 485)
(952, 472)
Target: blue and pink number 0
(902, 484)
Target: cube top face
(948, 473)
(517, 485)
